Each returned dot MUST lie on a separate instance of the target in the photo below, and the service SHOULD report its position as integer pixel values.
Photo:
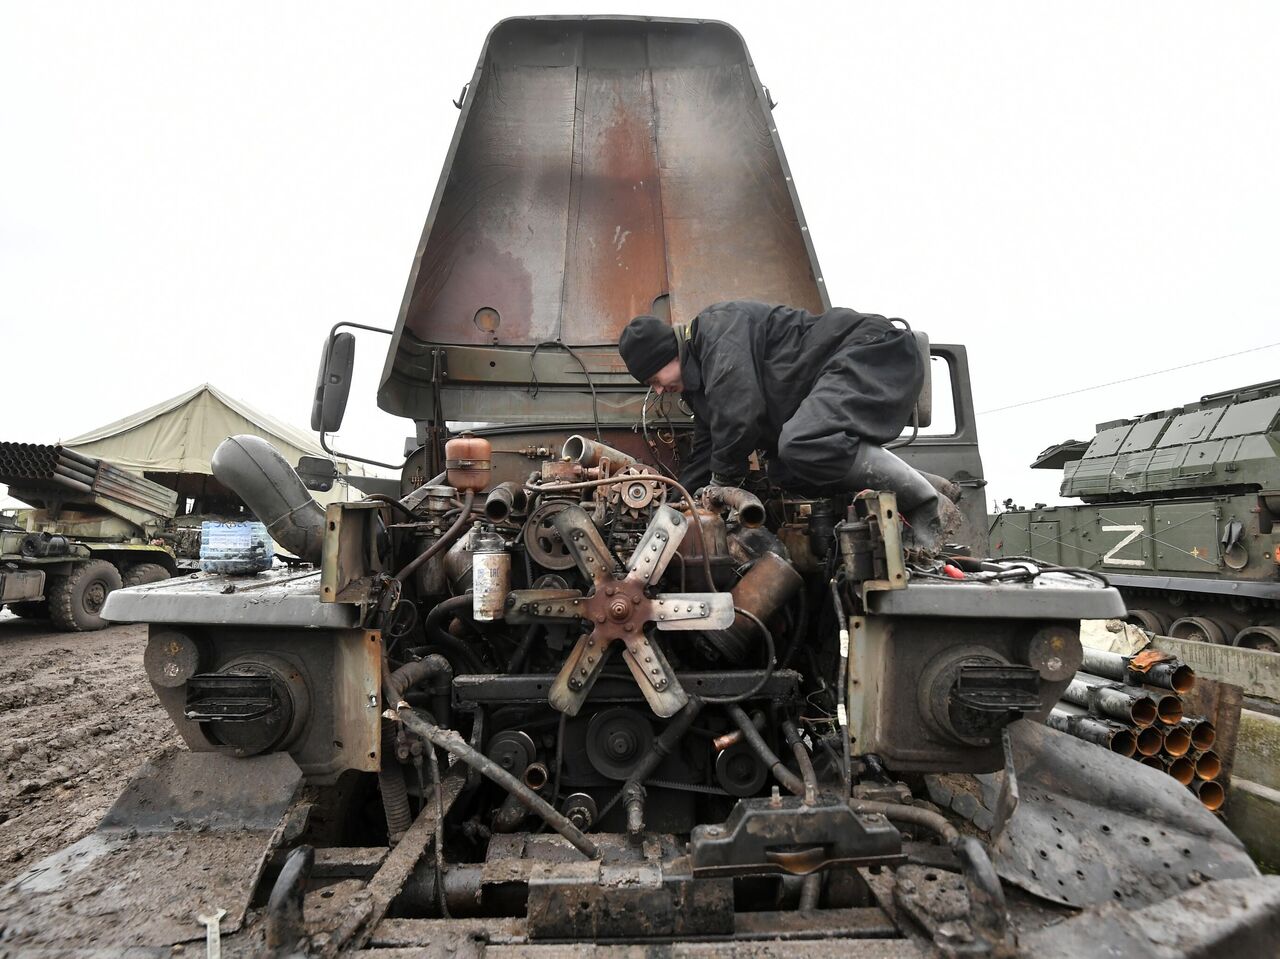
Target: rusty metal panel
(357, 722)
(602, 167)
(733, 231)
(498, 240)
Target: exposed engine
(738, 690)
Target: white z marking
(1108, 558)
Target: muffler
(255, 471)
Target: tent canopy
(180, 434)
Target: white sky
(1078, 192)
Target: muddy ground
(77, 718)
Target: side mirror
(317, 473)
(333, 383)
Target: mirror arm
(324, 445)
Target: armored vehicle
(1181, 511)
(94, 529)
(549, 701)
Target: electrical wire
(1129, 379)
(533, 378)
(765, 676)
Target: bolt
(609, 591)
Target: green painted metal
(1178, 503)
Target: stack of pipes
(72, 477)
(1132, 706)
(22, 463)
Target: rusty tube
(1171, 674)
(536, 775)
(1177, 742)
(1102, 732)
(1183, 769)
(1155, 762)
(747, 505)
(504, 500)
(1169, 710)
(767, 586)
(1127, 704)
(1210, 793)
(588, 452)
(1148, 741)
(1202, 732)
(1208, 765)
(734, 736)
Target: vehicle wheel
(1266, 638)
(30, 609)
(1149, 620)
(142, 573)
(75, 600)
(1198, 628)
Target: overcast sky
(1079, 192)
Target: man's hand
(718, 479)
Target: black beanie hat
(647, 345)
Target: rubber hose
(803, 760)
(914, 815)
(444, 542)
(392, 785)
(767, 756)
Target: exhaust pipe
(587, 452)
(255, 471)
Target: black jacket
(804, 388)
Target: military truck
(94, 529)
(551, 701)
(1181, 511)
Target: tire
(30, 609)
(75, 600)
(142, 573)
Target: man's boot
(932, 517)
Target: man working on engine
(820, 394)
